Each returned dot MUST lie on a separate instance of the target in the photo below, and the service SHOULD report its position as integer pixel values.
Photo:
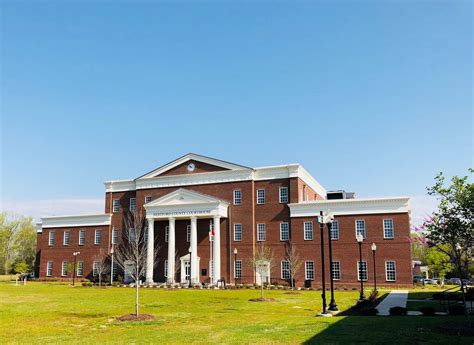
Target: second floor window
(52, 238)
(147, 199)
(115, 235)
(66, 238)
(260, 196)
(261, 235)
(133, 204)
(335, 230)
(237, 197)
(116, 206)
(188, 233)
(82, 237)
(237, 232)
(284, 232)
(308, 231)
(360, 227)
(283, 195)
(167, 233)
(388, 228)
(98, 236)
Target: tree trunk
(136, 298)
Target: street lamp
(190, 261)
(332, 304)
(74, 271)
(235, 261)
(112, 264)
(374, 248)
(323, 275)
(360, 239)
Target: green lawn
(54, 313)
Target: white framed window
(167, 233)
(97, 236)
(308, 231)
(335, 230)
(261, 232)
(114, 270)
(188, 233)
(49, 268)
(64, 268)
(237, 197)
(115, 205)
(285, 269)
(362, 270)
(283, 195)
(336, 270)
(132, 235)
(309, 270)
(115, 235)
(66, 237)
(166, 269)
(388, 232)
(147, 199)
(80, 268)
(238, 269)
(284, 231)
(95, 268)
(390, 271)
(133, 204)
(260, 196)
(237, 232)
(82, 237)
(360, 227)
(51, 238)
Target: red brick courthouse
(246, 207)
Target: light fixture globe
(373, 247)
(359, 237)
(235, 251)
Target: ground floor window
(238, 269)
(95, 268)
(390, 271)
(166, 268)
(336, 270)
(64, 268)
(49, 268)
(362, 270)
(309, 270)
(285, 269)
(80, 268)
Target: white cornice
(75, 220)
(351, 206)
(119, 185)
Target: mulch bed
(262, 300)
(133, 317)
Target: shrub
(428, 311)
(398, 311)
(456, 309)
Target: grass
(56, 313)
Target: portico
(184, 204)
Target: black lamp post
(235, 263)
(323, 275)
(332, 304)
(74, 270)
(190, 262)
(360, 239)
(374, 248)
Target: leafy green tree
(438, 261)
(21, 267)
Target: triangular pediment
(183, 197)
(191, 164)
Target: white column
(171, 251)
(217, 249)
(194, 263)
(150, 249)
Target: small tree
(294, 260)
(262, 263)
(102, 266)
(21, 268)
(131, 253)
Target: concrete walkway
(396, 298)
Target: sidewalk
(396, 298)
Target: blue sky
(371, 97)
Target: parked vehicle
(454, 281)
(417, 279)
(428, 281)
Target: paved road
(396, 298)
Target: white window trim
(241, 269)
(306, 270)
(82, 231)
(51, 239)
(264, 232)
(95, 236)
(394, 268)
(365, 227)
(281, 232)
(287, 195)
(95, 271)
(366, 271)
(332, 275)
(48, 273)
(79, 266)
(63, 274)
(336, 238)
(68, 237)
(287, 270)
(393, 229)
(134, 208)
(312, 231)
(115, 231)
(146, 198)
(115, 202)
(261, 189)
(241, 232)
(234, 198)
